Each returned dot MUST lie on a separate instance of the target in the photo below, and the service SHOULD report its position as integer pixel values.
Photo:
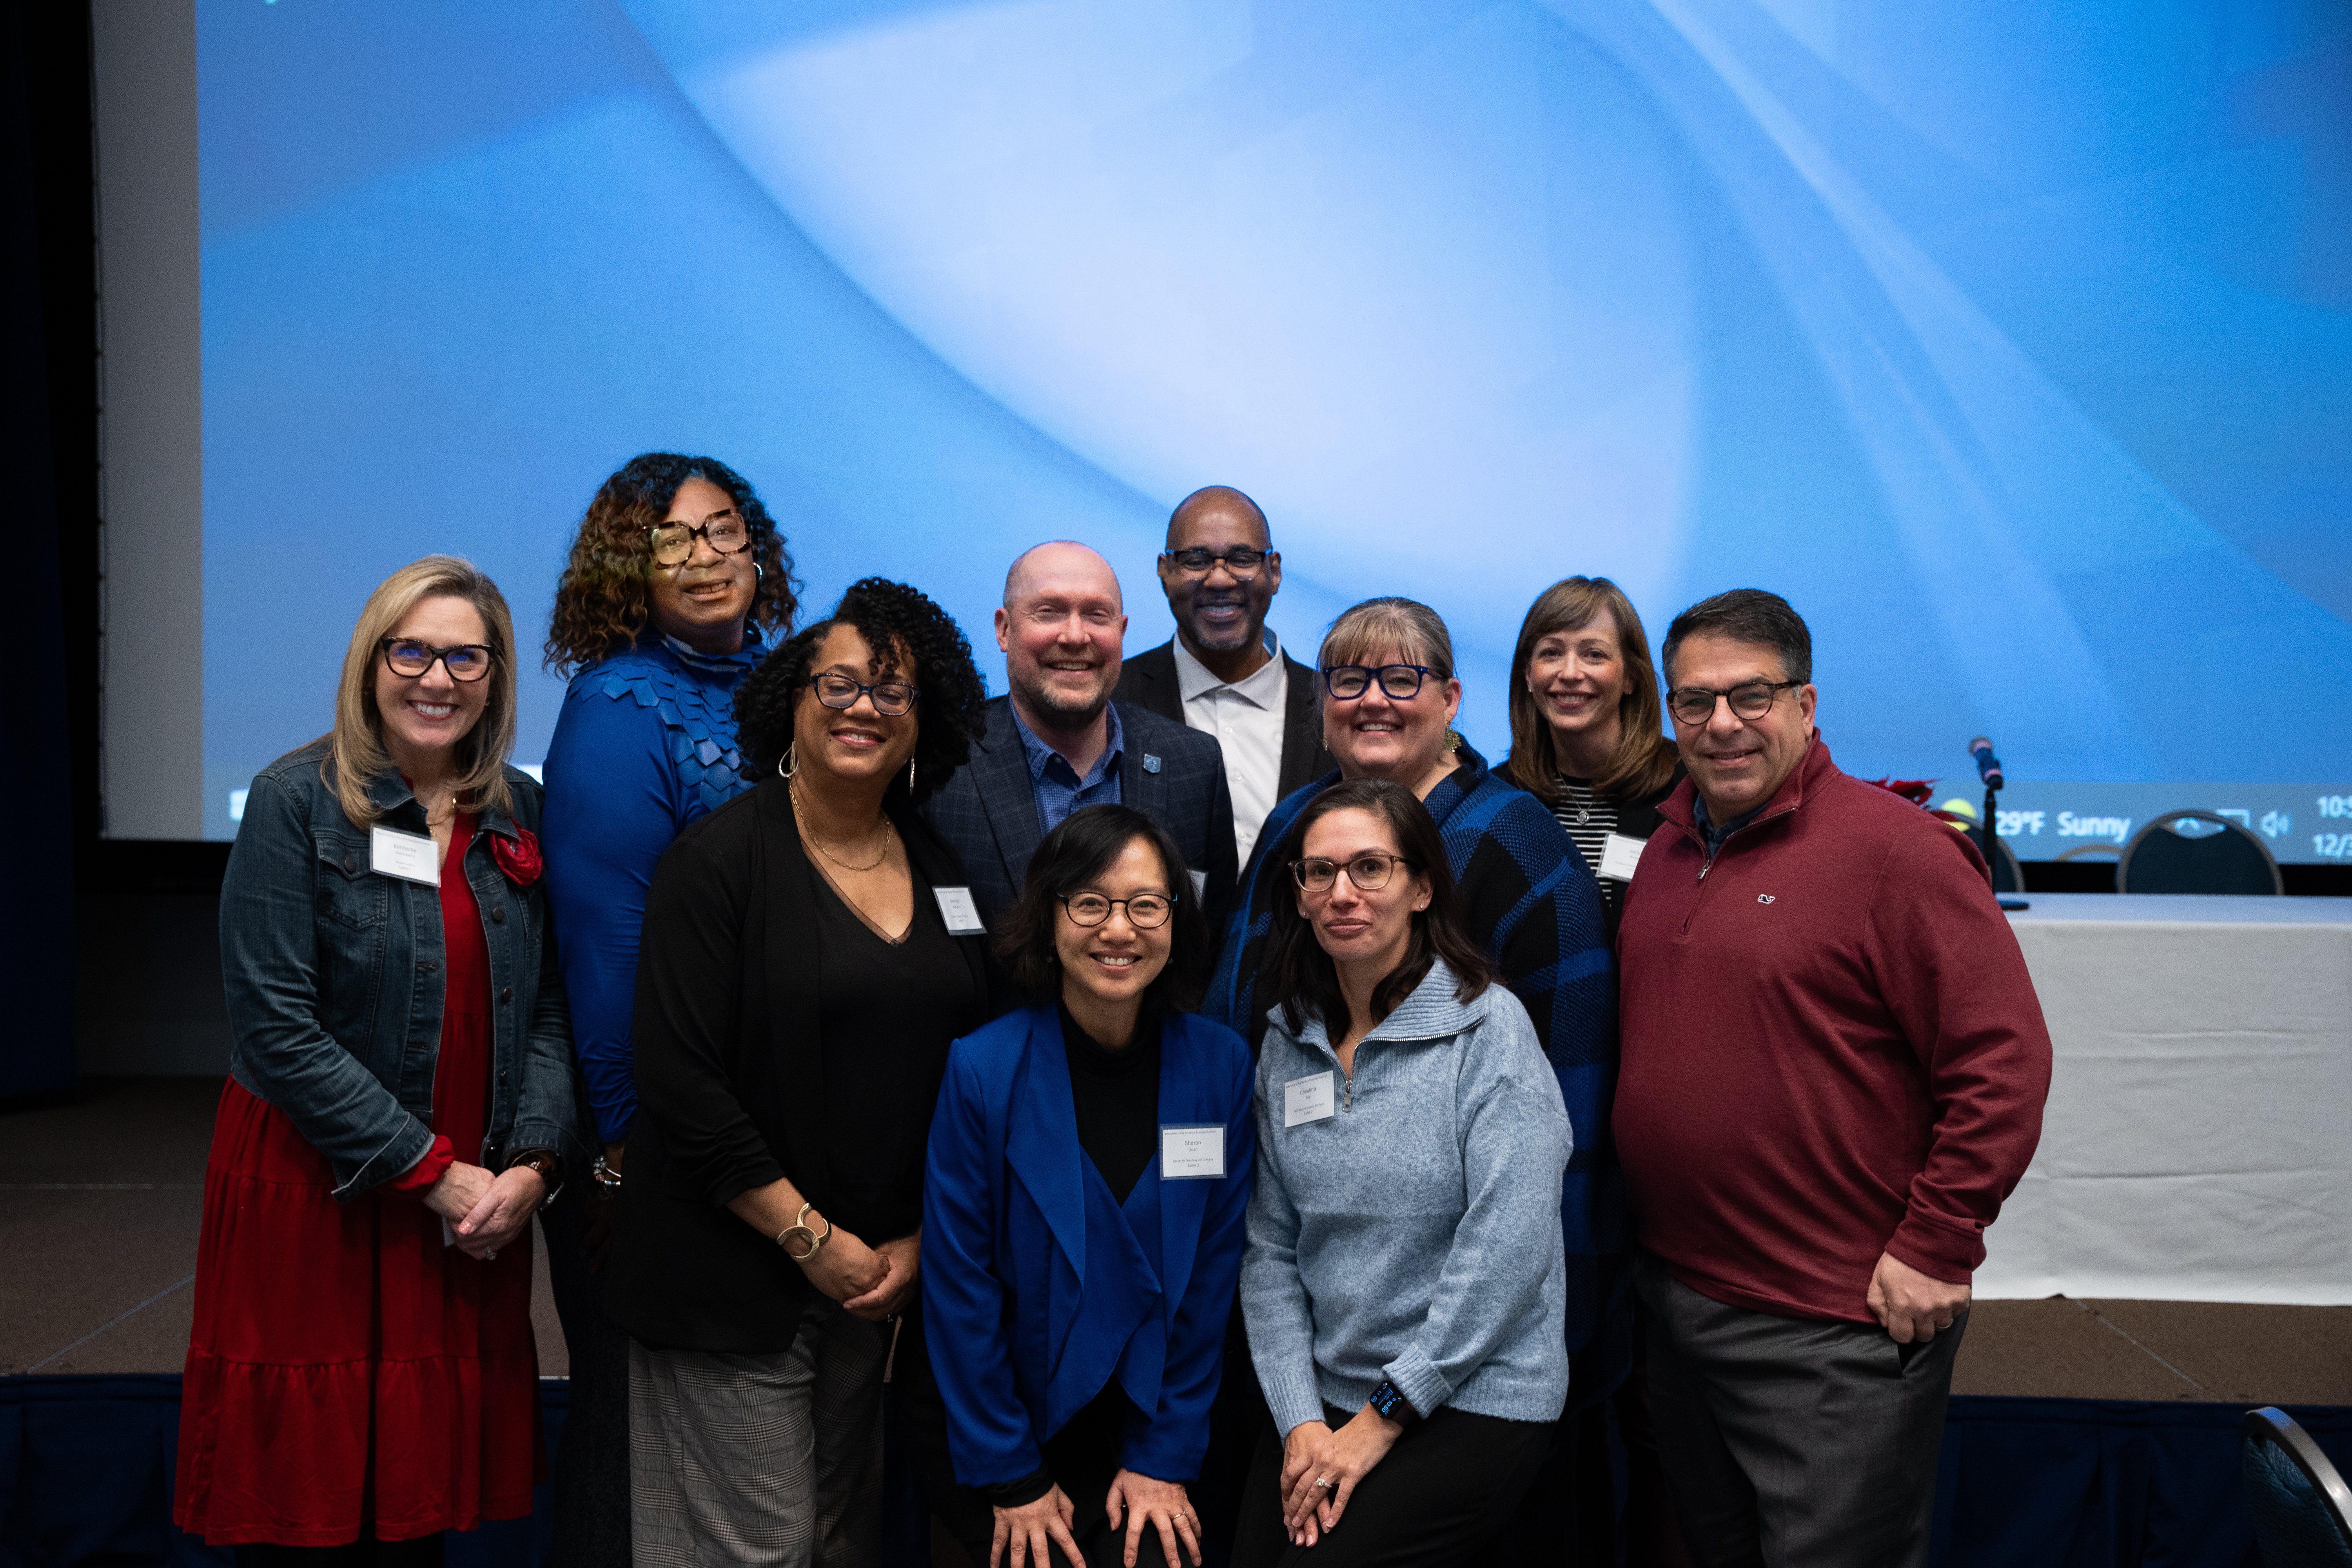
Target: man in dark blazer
(1058, 741)
(1223, 674)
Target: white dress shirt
(1246, 719)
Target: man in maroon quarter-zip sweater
(1833, 1071)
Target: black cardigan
(730, 1074)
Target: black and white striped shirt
(1590, 820)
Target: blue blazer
(1038, 1289)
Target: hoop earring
(759, 572)
(792, 755)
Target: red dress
(348, 1373)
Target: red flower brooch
(518, 857)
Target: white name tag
(1619, 856)
(1191, 1153)
(1307, 1099)
(957, 909)
(410, 856)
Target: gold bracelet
(800, 1227)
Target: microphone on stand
(1988, 769)
(1988, 766)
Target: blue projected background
(2011, 340)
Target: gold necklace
(889, 833)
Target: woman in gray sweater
(1403, 1285)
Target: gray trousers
(1793, 1442)
(759, 1461)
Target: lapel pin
(1150, 763)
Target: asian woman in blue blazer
(1088, 1172)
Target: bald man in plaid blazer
(1058, 741)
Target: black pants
(1446, 1491)
(591, 1491)
(425, 1551)
(1792, 1442)
(1082, 1457)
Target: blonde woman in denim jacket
(361, 1374)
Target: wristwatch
(548, 1167)
(1388, 1402)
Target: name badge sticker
(1309, 1098)
(1191, 1153)
(957, 909)
(1620, 854)
(410, 856)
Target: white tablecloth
(2198, 1145)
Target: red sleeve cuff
(421, 1177)
(1933, 1247)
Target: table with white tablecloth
(2197, 1144)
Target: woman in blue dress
(678, 583)
(1088, 1171)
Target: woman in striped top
(1587, 734)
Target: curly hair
(1073, 856)
(903, 627)
(601, 602)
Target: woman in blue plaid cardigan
(1389, 701)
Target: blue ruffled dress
(645, 743)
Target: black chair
(2228, 859)
(2303, 1512)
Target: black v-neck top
(1116, 1094)
(887, 1012)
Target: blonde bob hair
(1645, 759)
(1390, 624)
(356, 754)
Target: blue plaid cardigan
(1526, 893)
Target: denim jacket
(334, 980)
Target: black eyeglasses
(891, 698)
(1370, 871)
(412, 657)
(1144, 911)
(1198, 562)
(673, 542)
(1348, 681)
(1695, 705)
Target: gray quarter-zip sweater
(1412, 1233)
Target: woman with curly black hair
(809, 952)
(676, 586)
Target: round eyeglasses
(1368, 871)
(891, 698)
(1348, 681)
(1198, 562)
(1695, 705)
(673, 542)
(1144, 911)
(412, 657)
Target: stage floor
(100, 1194)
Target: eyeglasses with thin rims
(673, 542)
(1145, 911)
(890, 698)
(1399, 681)
(1695, 705)
(410, 657)
(1241, 562)
(1370, 872)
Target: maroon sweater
(1831, 1048)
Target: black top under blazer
(1150, 680)
(730, 1074)
(987, 812)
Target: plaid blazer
(1526, 896)
(1176, 776)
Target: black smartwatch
(1393, 1404)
